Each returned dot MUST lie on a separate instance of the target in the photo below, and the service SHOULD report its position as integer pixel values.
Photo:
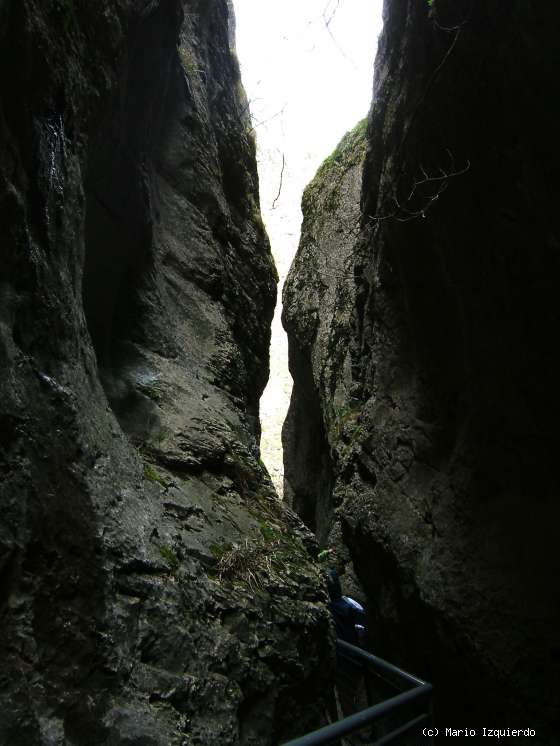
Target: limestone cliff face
(444, 477)
(153, 590)
(319, 298)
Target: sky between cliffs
(307, 68)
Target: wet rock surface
(153, 589)
(442, 465)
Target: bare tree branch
(443, 176)
(438, 182)
(429, 84)
(265, 121)
(280, 186)
(450, 29)
(333, 12)
(327, 20)
(431, 80)
(248, 105)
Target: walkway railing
(400, 716)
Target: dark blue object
(349, 616)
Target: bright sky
(307, 68)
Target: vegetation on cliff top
(349, 152)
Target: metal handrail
(379, 663)
(357, 721)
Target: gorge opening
(307, 69)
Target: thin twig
(248, 105)
(443, 176)
(404, 213)
(450, 29)
(327, 22)
(265, 121)
(281, 179)
(426, 90)
(332, 15)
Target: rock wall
(153, 589)
(319, 297)
(443, 460)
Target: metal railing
(400, 710)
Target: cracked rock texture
(319, 297)
(153, 589)
(430, 464)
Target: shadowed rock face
(445, 484)
(153, 590)
(319, 296)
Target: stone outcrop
(319, 298)
(153, 589)
(433, 402)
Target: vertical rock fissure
(308, 472)
(121, 201)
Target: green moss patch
(324, 190)
(349, 151)
(152, 475)
(169, 556)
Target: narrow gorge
(154, 591)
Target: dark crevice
(308, 470)
(119, 279)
